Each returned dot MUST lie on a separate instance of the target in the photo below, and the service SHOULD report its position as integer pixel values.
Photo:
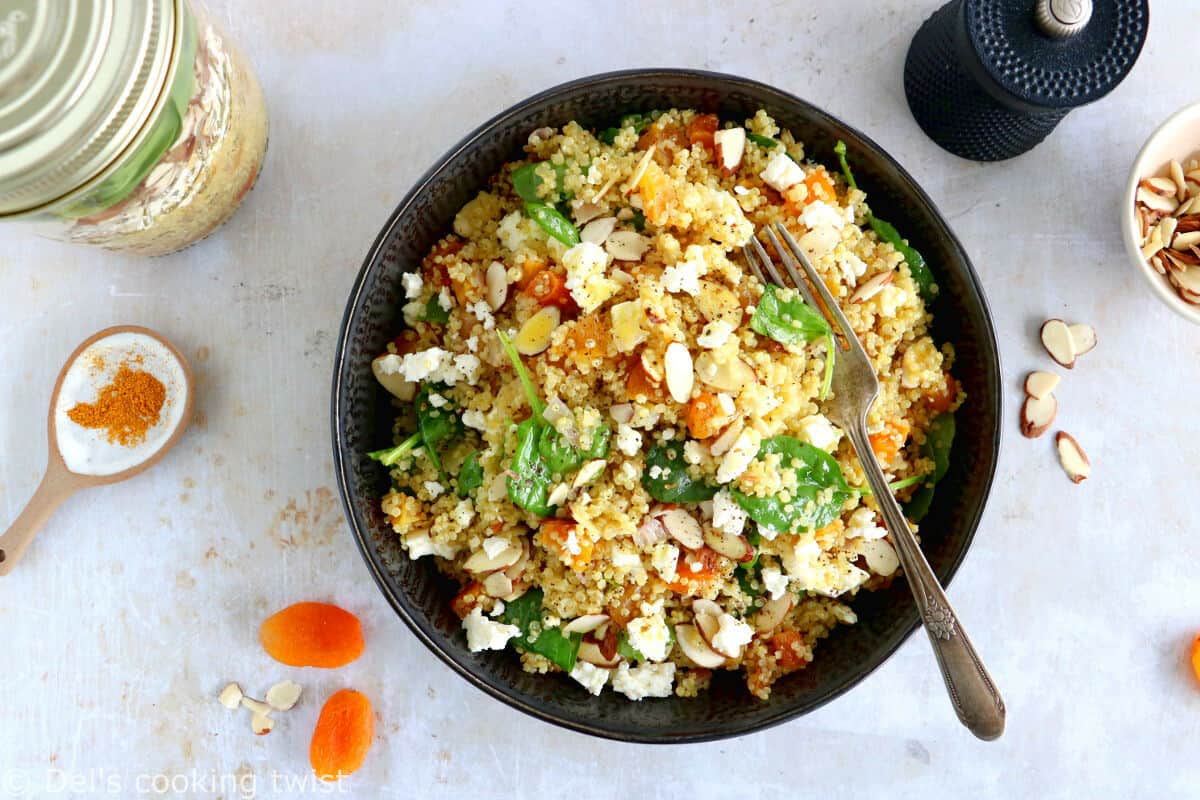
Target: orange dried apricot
(785, 646)
(344, 733)
(702, 416)
(701, 129)
(888, 443)
(312, 635)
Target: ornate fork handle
(975, 697)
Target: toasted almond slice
(1074, 461)
(284, 695)
(640, 170)
(498, 584)
(497, 284)
(1083, 338)
(1185, 241)
(1157, 202)
(231, 696)
(1159, 185)
(534, 336)
(772, 614)
(730, 545)
(584, 212)
(709, 626)
(588, 472)
(262, 724)
(881, 556)
(725, 374)
(627, 246)
(590, 652)
(681, 375)
(256, 707)
(651, 365)
(725, 441)
(1157, 263)
(872, 287)
(598, 230)
(683, 528)
(1176, 170)
(585, 624)
(1166, 230)
(1040, 384)
(695, 648)
(517, 568)
(481, 562)
(731, 146)
(621, 413)
(393, 382)
(559, 494)
(702, 607)
(1037, 415)
(1189, 279)
(1056, 338)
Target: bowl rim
(423, 630)
(1129, 232)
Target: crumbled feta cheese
(625, 559)
(486, 634)
(474, 419)
(497, 609)
(467, 366)
(862, 525)
(391, 364)
(483, 312)
(664, 557)
(494, 546)
(629, 441)
(572, 543)
(740, 454)
(510, 231)
(727, 517)
(463, 513)
(732, 635)
(419, 545)
(684, 276)
(590, 677)
(647, 680)
(444, 300)
(473, 344)
(437, 365)
(818, 431)
(629, 471)
(414, 312)
(774, 581)
(434, 488)
(694, 452)
(819, 214)
(890, 298)
(820, 572)
(437, 401)
(852, 267)
(781, 172)
(715, 334)
(412, 283)
(589, 286)
(650, 636)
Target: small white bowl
(1178, 138)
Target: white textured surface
(140, 601)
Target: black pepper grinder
(989, 79)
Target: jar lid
(1058, 54)
(78, 80)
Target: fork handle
(975, 697)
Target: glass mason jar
(132, 125)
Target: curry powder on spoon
(126, 408)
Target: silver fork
(855, 387)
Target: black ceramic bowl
(362, 415)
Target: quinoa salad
(609, 433)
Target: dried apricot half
(343, 735)
(312, 635)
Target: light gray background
(139, 601)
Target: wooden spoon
(60, 482)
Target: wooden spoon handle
(56, 486)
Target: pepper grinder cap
(1060, 54)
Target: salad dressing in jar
(132, 125)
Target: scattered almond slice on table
(1074, 461)
(1040, 384)
(1167, 210)
(1065, 342)
(1037, 415)
(282, 696)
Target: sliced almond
(1153, 243)
(497, 284)
(728, 436)
(1166, 230)
(591, 653)
(585, 624)
(872, 287)
(724, 373)
(598, 230)
(695, 648)
(498, 584)
(1176, 170)
(651, 365)
(881, 556)
(683, 528)
(704, 607)
(1083, 337)
(1074, 461)
(588, 472)
(231, 696)
(393, 382)
(585, 212)
(709, 625)
(772, 614)
(559, 494)
(256, 707)
(1184, 241)
(534, 336)
(1037, 415)
(628, 325)
(649, 533)
(627, 246)
(480, 561)
(1159, 185)
(1040, 384)
(621, 413)
(680, 374)
(517, 568)
(640, 170)
(1157, 202)
(1056, 338)
(284, 695)
(717, 301)
(730, 545)
(730, 144)
(262, 724)
(1189, 279)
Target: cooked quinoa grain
(611, 434)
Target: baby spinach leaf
(562, 457)
(531, 392)
(787, 321)
(666, 478)
(763, 141)
(553, 222)
(526, 613)
(470, 475)
(392, 456)
(818, 497)
(917, 267)
(638, 220)
(626, 650)
(939, 439)
(526, 181)
(434, 312)
(529, 484)
(437, 423)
